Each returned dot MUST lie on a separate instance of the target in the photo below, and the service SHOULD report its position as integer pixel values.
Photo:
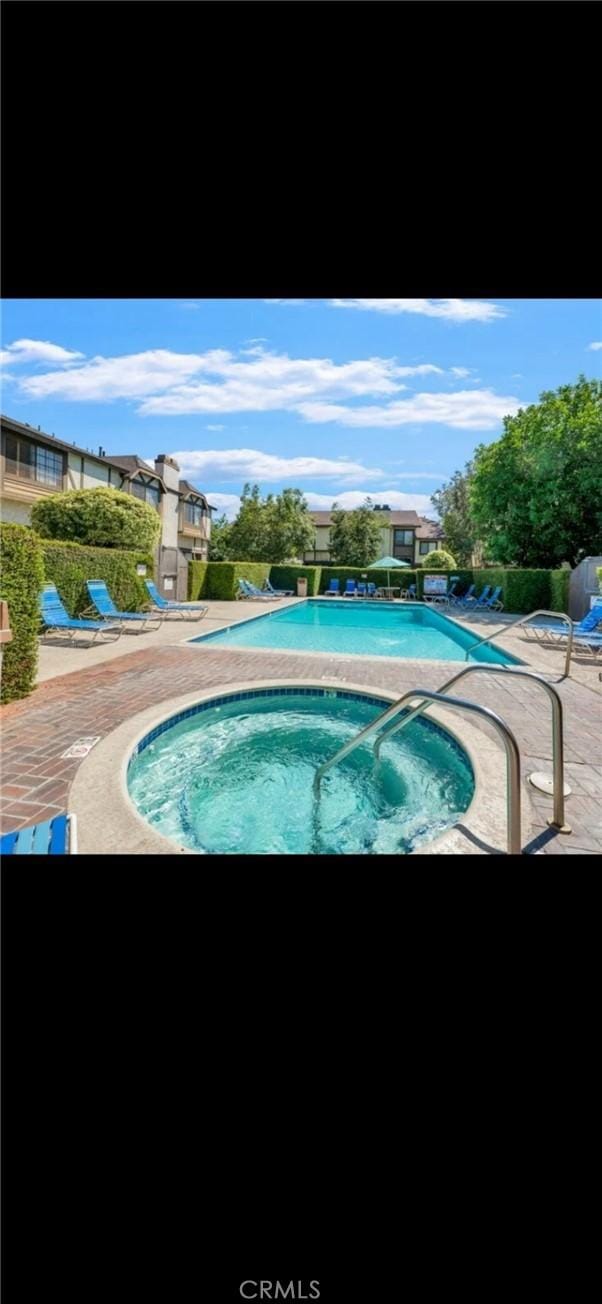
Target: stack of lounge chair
(248, 590)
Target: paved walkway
(92, 701)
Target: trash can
(302, 586)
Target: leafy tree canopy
(452, 504)
(536, 494)
(104, 518)
(355, 536)
(277, 528)
(218, 543)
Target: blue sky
(340, 397)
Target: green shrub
(438, 560)
(197, 580)
(21, 579)
(285, 577)
(69, 565)
(98, 518)
(559, 589)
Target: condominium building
(405, 535)
(34, 464)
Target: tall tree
(536, 494)
(218, 543)
(452, 504)
(277, 528)
(355, 536)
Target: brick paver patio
(93, 701)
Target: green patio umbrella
(388, 564)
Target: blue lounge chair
(248, 590)
(334, 589)
(361, 589)
(466, 597)
(278, 593)
(371, 589)
(186, 610)
(140, 621)
(493, 602)
(452, 597)
(410, 592)
(57, 620)
(587, 633)
(55, 837)
(474, 600)
(350, 589)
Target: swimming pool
(359, 628)
(234, 775)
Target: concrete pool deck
(92, 692)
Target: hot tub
(233, 774)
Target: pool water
(360, 628)
(238, 778)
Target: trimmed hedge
(21, 578)
(69, 565)
(222, 577)
(285, 577)
(197, 579)
(400, 577)
(559, 590)
(522, 590)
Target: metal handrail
(510, 747)
(557, 726)
(521, 620)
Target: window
(404, 537)
(49, 466)
(426, 546)
(33, 462)
(148, 491)
(194, 514)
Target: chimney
(168, 469)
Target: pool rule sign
(435, 584)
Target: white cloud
(225, 503)
(285, 301)
(37, 351)
(460, 371)
(132, 375)
(450, 309)
(216, 427)
(252, 464)
(466, 410)
(597, 344)
(397, 501)
(217, 381)
(189, 305)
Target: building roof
(128, 464)
(131, 463)
(23, 427)
(409, 519)
(429, 529)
